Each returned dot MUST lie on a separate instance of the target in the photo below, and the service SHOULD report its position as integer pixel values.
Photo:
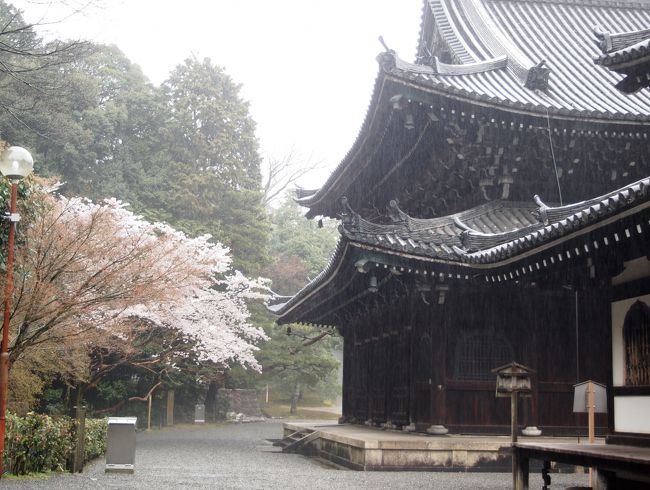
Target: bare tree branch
(280, 173)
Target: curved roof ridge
(497, 63)
(282, 308)
(427, 228)
(448, 69)
(532, 73)
(554, 213)
(614, 41)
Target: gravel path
(240, 457)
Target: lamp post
(16, 163)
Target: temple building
(495, 207)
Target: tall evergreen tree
(215, 181)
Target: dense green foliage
(299, 247)
(184, 153)
(37, 443)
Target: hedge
(37, 443)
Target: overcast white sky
(307, 67)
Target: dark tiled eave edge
(403, 72)
(436, 237)
(577, 218)
(625, 56)
(281, 309)
(307, 200)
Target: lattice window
(478, 353)
(636, 338)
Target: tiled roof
(618, 43)
(438, 237)
(557, 223)
(536, 35)
(627, 53)
(490, 232)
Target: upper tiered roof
(522, 66)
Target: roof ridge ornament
(537, 78)
(603, 39)
(388, 59)
(613, 41)
(398, 216)
(542, 212)
(349, 218)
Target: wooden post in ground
(513, 439)
(591, 409)
(522, 471)
(170, 407)
(149, 413)
(80, 439)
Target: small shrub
(95, 438)
(37, 443)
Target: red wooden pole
(4, 347)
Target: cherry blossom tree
(90, 271)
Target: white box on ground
(120, 450)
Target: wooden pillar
(516, 460)
(438, 372)
(80, 439)
(170, 407)
(346, 402)
(601, 480)
(521, 468)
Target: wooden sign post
(512, 380)
(590, 397)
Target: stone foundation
(366, 449)
(370, 448)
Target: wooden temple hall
(495, 207)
